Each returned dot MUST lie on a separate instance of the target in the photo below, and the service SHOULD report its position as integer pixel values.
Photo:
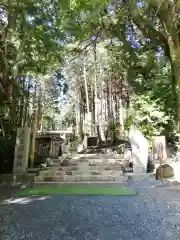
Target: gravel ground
(152, 214)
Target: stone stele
(21, 150)
(139, 147)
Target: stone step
(71, 164)
(79, 184)
(103, 157)
(114, 165)
(81, 168)
(83, 160)
(89, 172)
(77, 178)
(89, 178)
(128, 170)
(33, 170)
(87, 155)
(91, 161)
(139, 176)
(106, 167)
(109, 170)
(77, 169)
(79, 161)
(54, 178)
(60, 168)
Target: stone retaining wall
(20, 179)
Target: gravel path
(151, 215)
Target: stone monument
(139, 147)
(21, 150)
(159, 149)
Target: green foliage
(36, 40)
(148, 114)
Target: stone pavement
(150, 215)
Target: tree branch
(145, 25)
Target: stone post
(21, 150)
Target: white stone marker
(21, 150)
(139, 146)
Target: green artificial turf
(121, 191)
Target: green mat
(121, 191)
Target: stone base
(165, 170)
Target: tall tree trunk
(121, 113)
(6, 73)
(97, 128)
(33, 129)
(108, 101)
(110, 98)
(121, 119)
(26, 114)
(87, 112)
(23, 101)
(81, 123)
(33, 139)
(40, 106)
(78, 117)
(93, 108)
(86, 85)
(95, 84)
(175, 68)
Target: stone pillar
(21, 150)
(121, 119)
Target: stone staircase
(82, 168)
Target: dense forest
(114, 62)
